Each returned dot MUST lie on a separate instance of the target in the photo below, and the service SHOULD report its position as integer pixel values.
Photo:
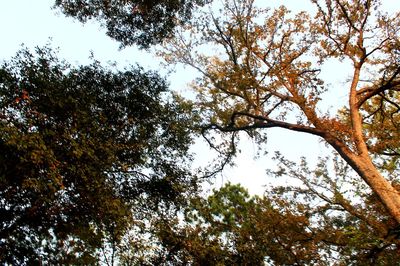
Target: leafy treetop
(81, 149)
(133, 21)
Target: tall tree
(81, 148)
(265, 73)
(133, 21)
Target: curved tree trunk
(362, 164)
(389, 196)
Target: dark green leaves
(80, 147)
(133, 21)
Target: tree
(265, 73)
(232, 228)
(133, 21)
(349, 222)
(84, 150)
(324, 218)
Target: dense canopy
(133, 21)
(80, 148)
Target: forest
(97, 161)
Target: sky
(35, 23)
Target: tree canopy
(82, 149)
(133, 21)
(264, 71)
(328, 216)
(95, 161)
(232, 228)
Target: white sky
(34, 22)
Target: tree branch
(370, 92)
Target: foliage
(230, 228)
(383, 129)
(324, 219)
(265, 71)
(349, 222)
(133, 21)
(93, 160)
(82, 148)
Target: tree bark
(389, 196)
(360, 158)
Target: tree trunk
(360, 159)
(388, 195)
(362, 164)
